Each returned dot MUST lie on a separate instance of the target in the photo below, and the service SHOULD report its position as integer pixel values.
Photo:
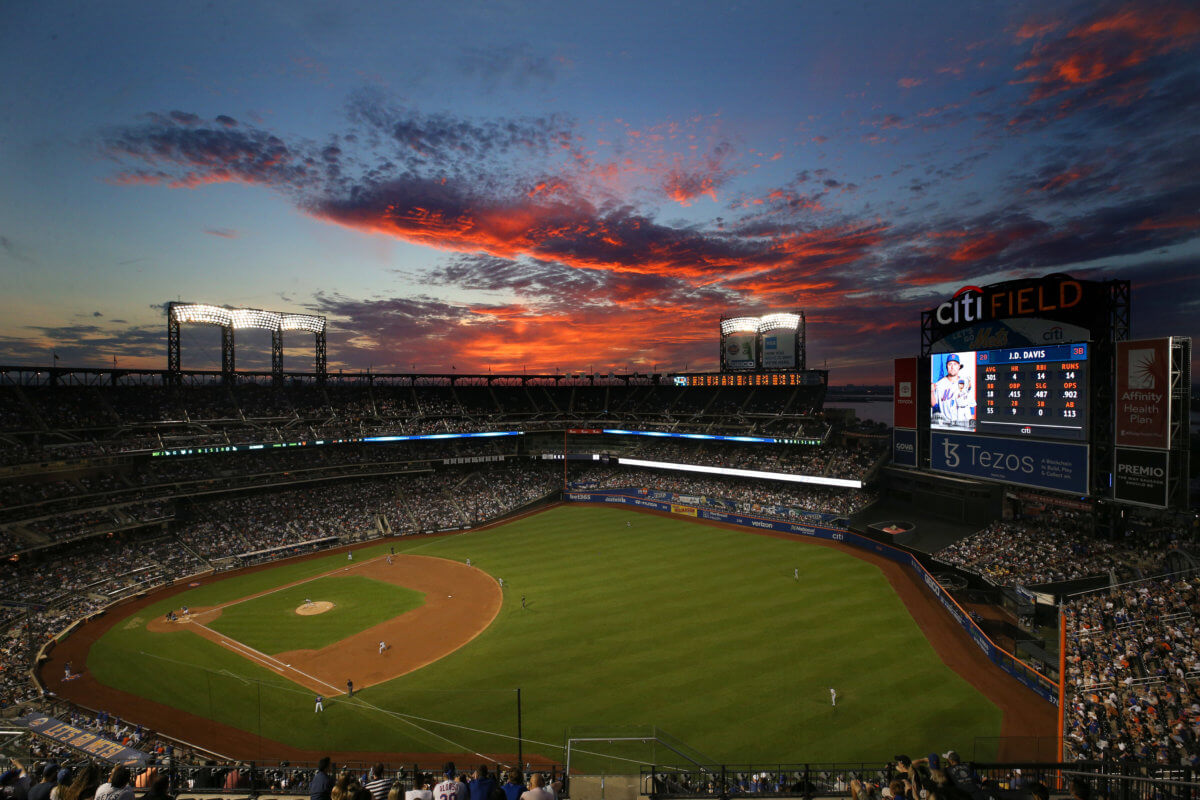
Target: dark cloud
(190, 154)
(13, 251)
(515, 65)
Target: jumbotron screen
(1039, 392)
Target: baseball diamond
(616, 618)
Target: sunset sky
(582, 186)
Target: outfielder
(832, 696)
(320, 705)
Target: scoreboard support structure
(1103, 386)
(1179, 456)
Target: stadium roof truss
(231, 319)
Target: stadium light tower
(229, 320)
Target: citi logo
(966, 306)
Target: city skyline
(529, 186)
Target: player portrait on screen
(952, 391)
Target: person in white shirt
(118, 787)
(450, 789)
(537, 790)
(420, 790)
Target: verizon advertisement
(904, 393)
(1143, 394)
(1140, 476)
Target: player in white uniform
(832, 696)
(450, 789)
(943, 392)
(964, 405)
(382, 647)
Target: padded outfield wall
(822, 527)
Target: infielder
(389, 559)
(468, 562)
(382, 647)
(320, 705)
(501, 582)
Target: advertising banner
(904, 447)
(739, 350)
(1140, 476)
(83, 740)
(779, 349)
(904, 393)
(1143, 398)
(1057, 466)
(687, 511)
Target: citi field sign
(1003, 314)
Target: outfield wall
(632, 496)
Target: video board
(1036, 392)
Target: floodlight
(739, 325)
(772, 322)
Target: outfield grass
(271, 625)
(699, 630)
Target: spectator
(321, 786)
(117, 787)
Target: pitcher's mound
(319, 607)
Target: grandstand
(117, 481)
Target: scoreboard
(1038, 392)
(805, 378)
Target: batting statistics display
(1033, 391)
(1017, 391)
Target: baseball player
(349, 555)
(307, 601)
(796, 573)
(186, 612)
(67, 669)
(350, 688)
(389, 558)
(522, 602)
(628, 524)
(468, 562)
(501, 582)
(833, 696)
(320, 705)
(449, 789)
(382, 647)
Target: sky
(521, 186)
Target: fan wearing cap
(946, 388)
(961, 774)
(49, 780)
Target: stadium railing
(1111, 780)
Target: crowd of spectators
(1133, 673)
(1057, 544)
(747, 496)
(68, 422)
(828, 460)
